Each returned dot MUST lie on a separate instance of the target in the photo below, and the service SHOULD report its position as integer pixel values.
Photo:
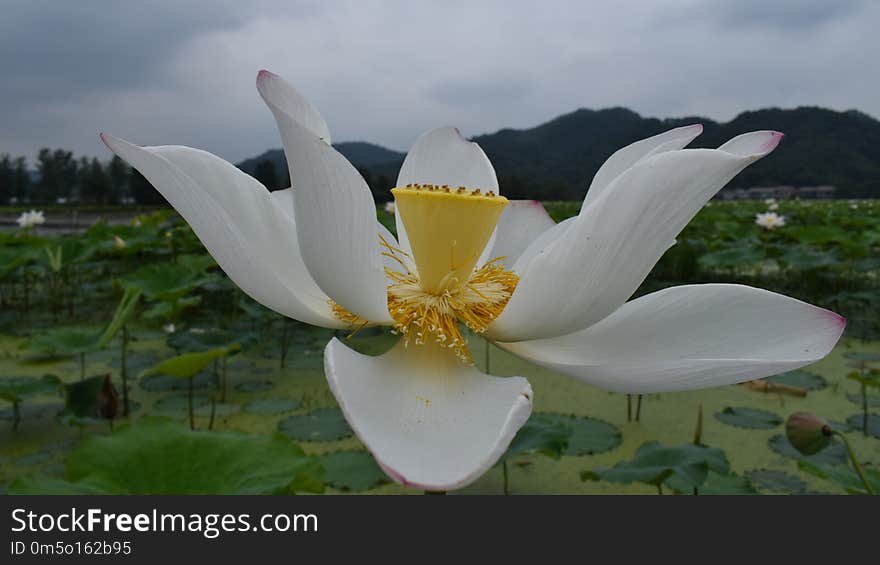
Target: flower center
(447, 230)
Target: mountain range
(557, 159)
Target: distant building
(778, 192)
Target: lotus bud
(808, 433)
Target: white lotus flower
(30, 219)
(773, 206)
(555, 294)
(769, 220)
(169, 328)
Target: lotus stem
(504, 475)
(223, 379)
(638, 407)
(192, 421)
(864, 409)
(698, 429)
(855, 463)
(213, 408)
(659, 488)
(629, 408)
(123, 370)
(82, 366)
(16, 414)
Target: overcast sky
(183, 71)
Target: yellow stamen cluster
(420, 315)
(447, 228)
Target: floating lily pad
(540, 434)
(134, 362)
(863, 356)
(715, 484)
(772, 480)
(855, 422)
(749, 418)
(261, 385)
(155, 383)
(272, 406)
(873, 400)
(801, 379)
(156, 456)
(834, 454)
(323, 424)
(844, 476)
(16, 389)
(588, 435)
(200, 341)
(654, 463)
(352, 470)
(180, 403)
(33, 411)
(221, 409)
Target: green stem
(638, 407)
(504, 474)
(82, 366)
(855, 463)
(659, 488)
(213, 408)
(192, 421)
(223, 379)
(864, 409)
(123, 370)
(16, 415)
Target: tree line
(61, 178)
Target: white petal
(237, 220)
(628, 156)
(287, 103)
(336, 223)
(605, 253)
(443, 156)
(690, 337)
(431, 421)
(520, 224)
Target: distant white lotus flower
(390, 207)
(770, 220)
(169, 328)
(769, 201)
(30, 219)
(555, 294)
(118, 242)
(773, 206)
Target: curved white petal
(690, 337)
(605, 253)
(520, 224)
(628, 156)
(287, 103)
(335, 222)
(431, 421)
(443, 156)
(239, 223)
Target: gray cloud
(183, 72)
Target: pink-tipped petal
(690, 337)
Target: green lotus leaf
(749, 418)
(856, 422)
(272, 406)
(863, 356)
(157, 456)
(715, 484)
(731, 258)
(66, 341)
(199, 341)
(352, 470)
(165, 281)
(654, 463)
(834, 454)
(16, 389)
(541, 434)
(843, 476)
(799, 378)
(776, 481)
(188, 364)
(323, 424)
(589, 436)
